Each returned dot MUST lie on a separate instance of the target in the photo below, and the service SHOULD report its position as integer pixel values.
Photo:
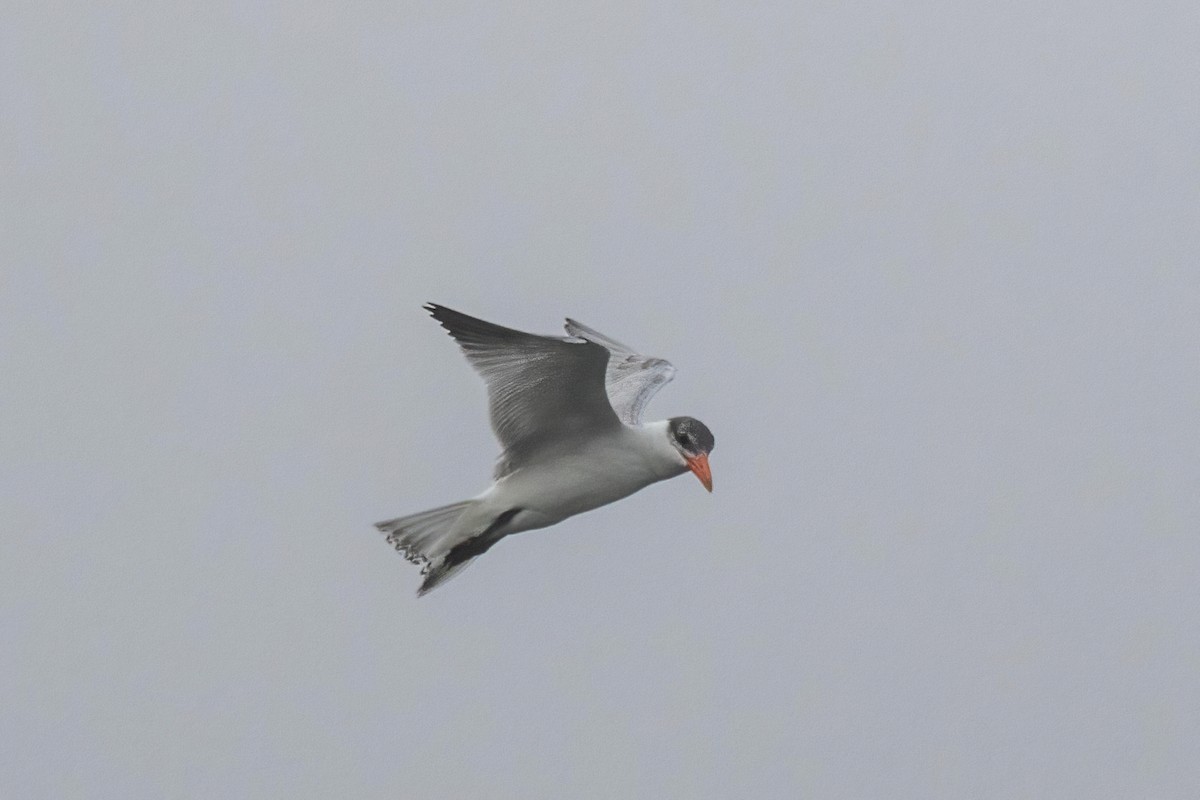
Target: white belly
(571, 483)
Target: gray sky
(928, 271)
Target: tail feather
(425, 539)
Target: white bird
(568, 413)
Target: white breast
(596, 473)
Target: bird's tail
(426, 539)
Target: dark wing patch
(540, 388)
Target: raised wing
(542, 390)
(631, 378)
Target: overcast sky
(929, 271)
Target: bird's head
(694, 441)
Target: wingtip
(441, 313)
(577, 328)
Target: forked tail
(442, 547)
(425, 539)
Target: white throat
(654, 441)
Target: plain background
(928, 271)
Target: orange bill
(699, 465)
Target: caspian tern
(568, 413)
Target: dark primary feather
(541, 389)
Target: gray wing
(542, 390)
(631, 379)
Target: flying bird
(568, 413)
